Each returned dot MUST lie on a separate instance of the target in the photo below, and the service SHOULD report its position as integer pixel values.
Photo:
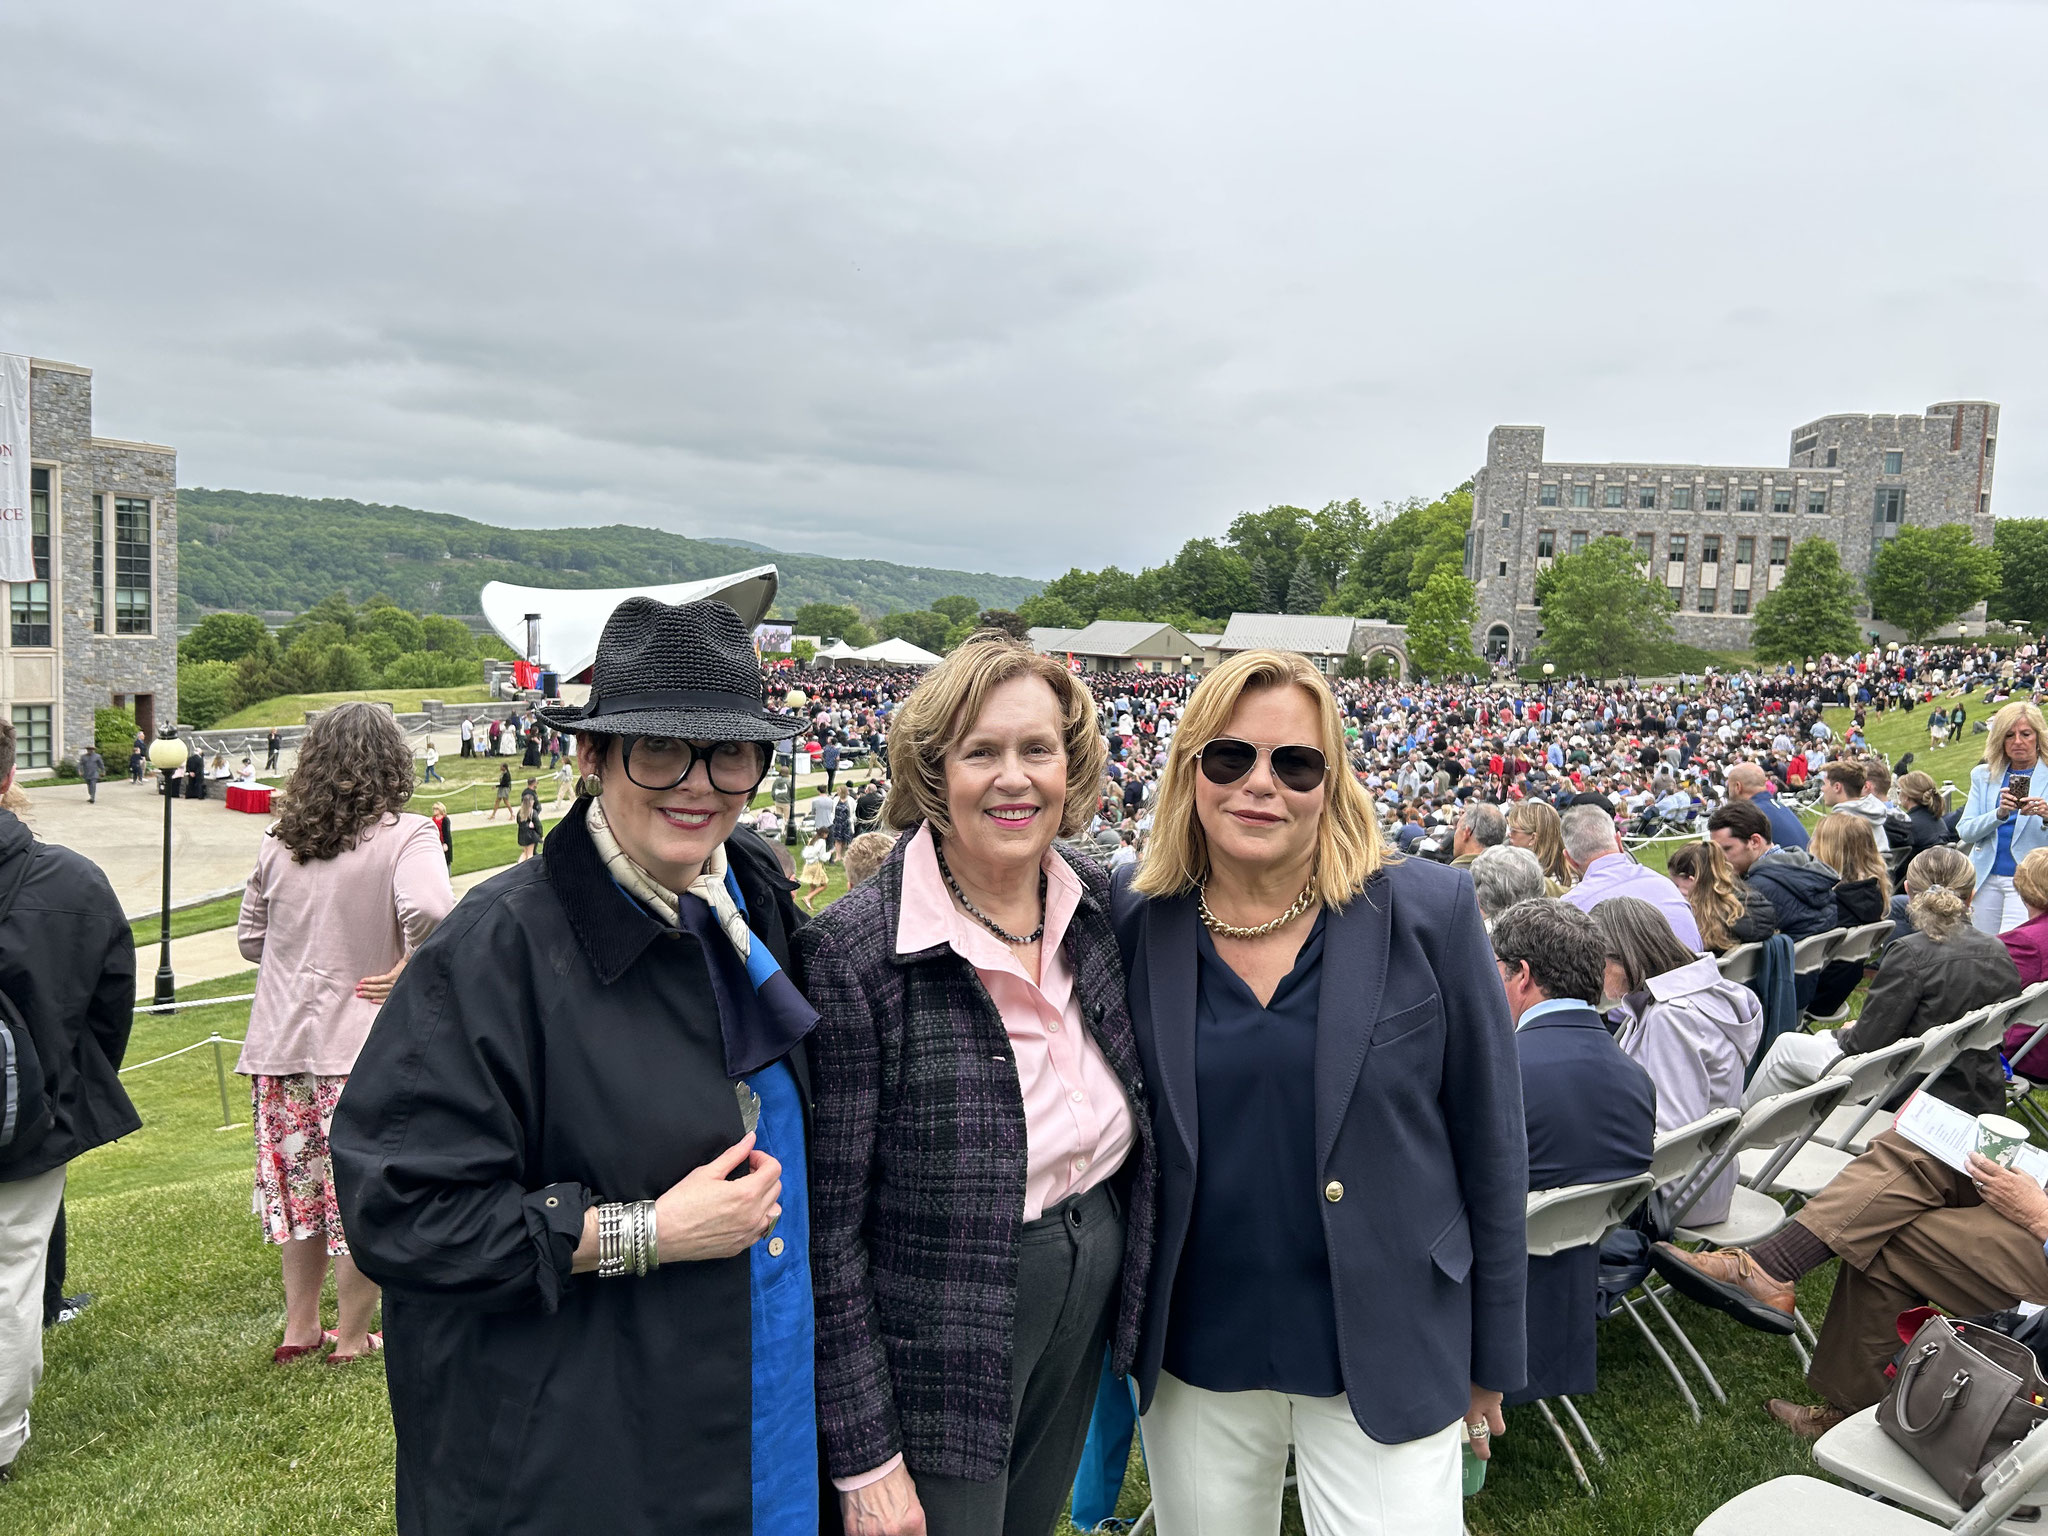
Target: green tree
(803, 651)
(2021, 544)
(1008, 621)
(958, 610)
(1924, 578)
(1444, 524)
(430, 669)
(1077, 594)
(923, 627)
(206, 692)
(222, 637)
(1271, 542)
(1813, 610)
(1051, 612)
(1305, 593)
(1601, 614)
(1440, 626)
(438, 632)
(113, 732)
(829, 619)
(1208, 579)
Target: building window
(1582, 495)
(1781, 501)
(1745, 550)
(1817, 501)
(1806, 444)
(29, 601)
(1646, 547)
(1983, 503)
(1578, 540)
(1891, 505)
(1612, 498)
(1710, 549)
(32, 735)
(1778, 548)
(1681, 498)
(133, 608)
(1745, 499)
(1506, 521)
(1990, 446)
(1738, 601)
(1834, 457)
(1546, 495)
(1715, 498)
(1706, 600)
(1646, 497)
(1678, 548)
(1502, 568)
(99, 564)
(1546, 543)
(1894, 462)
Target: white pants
(1793, 1061)
(1218, 1463)
(28, 1214)
(1998, 906)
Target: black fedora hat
(664, 669)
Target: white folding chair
(1812, 1508)
(1858, 944)
(1675, 1156)
(1741, 963)
(2029, 1008)
(1872, 1077)
(1859, 1452)
(1813, 952)
(1853, 1127)
(1574, 1217)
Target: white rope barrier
(220, 1070)
(195, 1002)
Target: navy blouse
(1252, 1308)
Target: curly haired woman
(347, 885)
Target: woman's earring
(590, 785)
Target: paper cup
(1475, 1470)
(1998, 1138)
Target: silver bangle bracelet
(627, 1241)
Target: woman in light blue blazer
(2006, 816)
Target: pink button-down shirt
(1077, 1124)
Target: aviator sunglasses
(1226, 760)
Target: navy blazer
(1592, 1115)
(1418, 1130)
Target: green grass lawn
(290, 708)
(1895, 733)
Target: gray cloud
(1012, 287)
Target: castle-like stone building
(1718, 535)
(99, 625)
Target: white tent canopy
(571, 619)
(896, 653)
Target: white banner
(17, 555)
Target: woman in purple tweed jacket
(982, 1168)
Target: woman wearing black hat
(573, 1150)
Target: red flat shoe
(376, 1345)
(284, 1354)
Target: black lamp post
(166, 754)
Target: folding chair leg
(1144, 1523)
(1799, 1349)
(1685, 1343)
(1571, 1455)
(1806, 1333)
(1572, 1412)
(1656, 1348)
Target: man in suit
(1591, 1114)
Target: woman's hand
(708, 1215)
(1485, 1409)
(886, 1507)
(374, 989)
(2034, 805)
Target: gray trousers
(1068, 1264)
(28, 1213)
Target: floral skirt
(294, 1176)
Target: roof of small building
(1047, 639)
(1206, 642)
(1312, 634)
(1127, 637)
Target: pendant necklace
(982, 917)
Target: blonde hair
(2030, 879)
(1844, 842)
(1917, 788)
(1939, 884)
(1540, 820)
(943, 708)
(1715, 906)
(1348, 848)
(2001, 727)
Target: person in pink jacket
(347, 885)
(2028, 946)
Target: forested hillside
(251, 552)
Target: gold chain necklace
(1216, 924)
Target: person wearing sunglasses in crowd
(1336, 1096)
(573, 1150)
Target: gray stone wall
(1838, 483)
(82, 670)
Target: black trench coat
(552, 1045)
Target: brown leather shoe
(1728, 1280)
(1807, 1423)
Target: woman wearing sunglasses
(1336, 1099)
(573, 1151)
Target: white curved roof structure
(572, 618)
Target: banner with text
(17, 554)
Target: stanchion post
(220, 1076)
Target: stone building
(1718, 535)
(99, 625)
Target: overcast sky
(1012, 287)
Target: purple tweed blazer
(917, 1181)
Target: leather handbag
(1963, 1397)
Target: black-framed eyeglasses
(1226, 760)
(663, 762)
